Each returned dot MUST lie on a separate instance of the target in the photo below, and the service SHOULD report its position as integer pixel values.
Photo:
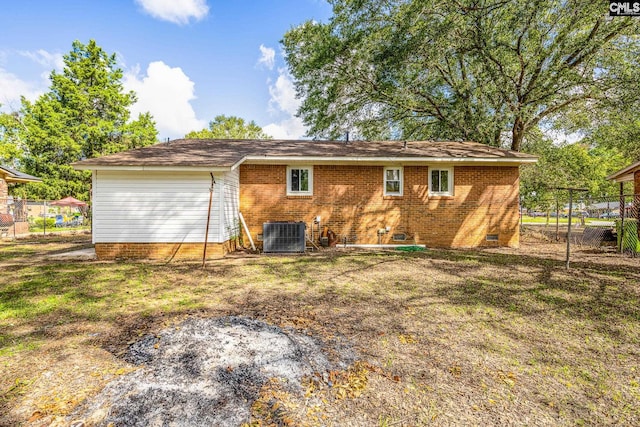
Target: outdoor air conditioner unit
(283, 236)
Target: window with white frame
(441, 181)
(393, 181)
(300, 180)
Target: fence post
(557, 218)
(569, 226)
(621, 208)
(571, 190)
(44, 217)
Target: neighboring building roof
(625, 174)
(12, 175)
(604, 205)
(228, 154)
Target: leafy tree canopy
(83, 115)
(575, 165)
(230, 127)
(620, 130)
(485, 70)
(10, 148)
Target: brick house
(13, 216)
(153, 202)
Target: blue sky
(188, 60)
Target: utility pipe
(206, 233)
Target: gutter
(383, 160)
(318, 160)
(153, 168)
(12, 180)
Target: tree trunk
(517, 134)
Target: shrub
(39, 223)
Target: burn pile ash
(207, 372)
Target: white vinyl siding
(231, 204)
(159, 207)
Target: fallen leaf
(35, 416)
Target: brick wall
(350, 201)
(162, 251)
(4, 193)
(19, 228)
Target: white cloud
(283, 101)
(47, 60)
(12, 88)
(291, 128)
(176, 11)
(166, 93)
(283, 94)
(267, 57)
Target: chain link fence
(606, 223)
(20, 217)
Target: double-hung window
(393, 181)
(441, 181)
(299, 180)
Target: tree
(485, 70)
(614, 126)
(231, 127)
(84, 115)
(575, 165)
(10, 146)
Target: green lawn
(444, 337)
(48, 230)
(575, 220)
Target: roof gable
(625, 174)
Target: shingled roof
(12, 175)
(217, 153)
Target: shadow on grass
(354, 294)
(607, 295)
(77, 291)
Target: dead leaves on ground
(279, 407)
(53, 407)
(17, 388)
(407, 339)
(339, 384)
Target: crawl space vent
(492, 237)
(283, 236)
(400, 237)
